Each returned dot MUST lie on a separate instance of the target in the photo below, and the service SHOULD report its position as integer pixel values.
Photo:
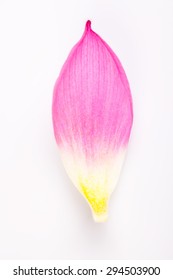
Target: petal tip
(88, 25)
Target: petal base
(100, 218)
(98, 200)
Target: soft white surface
(42, 216)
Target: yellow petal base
(98, 201)
(95, 180)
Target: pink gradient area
(92, 105)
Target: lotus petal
(92, 119)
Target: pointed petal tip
(88, 25)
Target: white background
(42, 216)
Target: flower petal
(92, 118)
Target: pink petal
(92, 118)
